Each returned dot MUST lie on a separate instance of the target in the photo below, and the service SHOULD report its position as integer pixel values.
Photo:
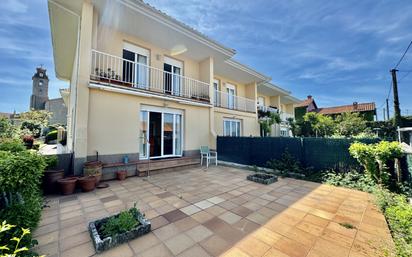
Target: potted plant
(93, 168)
(67, 185)
(87, 183)
(28, 141)
(121, 174)
(117, 229)
(51, 174)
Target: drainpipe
(77, 67)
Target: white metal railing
(120, 71)
(264, 108)
(284, 116)
(229, 101)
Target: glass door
(144, 136)
(231, 98)
(168, 128)
(172, 76)
(135, 66)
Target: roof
(355, 107)
(305, 102)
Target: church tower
(40, 91)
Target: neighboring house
(39, 99)
(5, 115)
(366, 110)
(305, 106)
(145, 85)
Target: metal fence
(319, 153)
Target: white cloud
(14, 6)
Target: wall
(58, 110)
(249, 123)
(114, 123)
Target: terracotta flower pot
(67, 185)
(50, 179)
(121, 174)
(88, 183)
(93, 168)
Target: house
(305, 106)
(366, 110)
(146, 86)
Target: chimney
(309, 97)
(355, 105)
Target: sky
(337, 51)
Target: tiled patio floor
(199, 213)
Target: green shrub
(51, 136)
(125, 221)
(11, 145)
(15, 241)
(20, 178)
(288, 164)
(398, 213)
(352, 179)
(51, 161)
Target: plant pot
(121, 174)
(93, 168)
(67, 185)
(50, 178)
(88, 183)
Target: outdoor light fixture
(178, 49)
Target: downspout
(77, 66)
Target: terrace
(197, 212)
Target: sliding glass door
(160, 134)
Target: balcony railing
(284, 116)
(229, 101)
(119, 71)
(264, 108)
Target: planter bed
(102, 244)
(262, 178)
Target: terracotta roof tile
(305, 103)
(360, 107)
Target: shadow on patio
(198, 213)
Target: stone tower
(40, 92)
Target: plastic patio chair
(205, 153)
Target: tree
(350, 124)
(319, 124)
(267, 121)
(35, 120)
(7, 129)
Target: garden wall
(319, 153)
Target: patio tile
(164, 195)
(109, 199)
(246, 226)
(216, 200)
(48, 238)
(215, 245)
(191, 209)
(202, 216)
(273, 252)
(71, 214)
(257, 218)
(204, 204)
(215, 210)
(230, 217)
(80, 250)
(199, 233)
(186, 223)
(215, 224)
(253, 247)
(291, 247)
(48, 250)
(195, 251)
(228, 205)
(159, 250)
(73, 241)
(143, 243)
(158, 222)
(174, 216)
(267, 236)
(241, 211)
(235, 252)
(166, 232)
(179, 243)
(330, 249)
(123, 250)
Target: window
(41, 83)
(231, 93)
(135, 66)
(231, 128)
(261, 101)
(284, 132)
(173, 76)
(216, 92)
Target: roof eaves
(149, 10)
(247, 69)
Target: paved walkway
(218, 212)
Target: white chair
(205, 153)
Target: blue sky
(337, 51)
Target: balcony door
(172, 76)
(231, 93)
(135, 66)
(161, 133)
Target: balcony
(284, 116)
(264, 108)
(118, 71)
(233, 102)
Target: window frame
(237, 128)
